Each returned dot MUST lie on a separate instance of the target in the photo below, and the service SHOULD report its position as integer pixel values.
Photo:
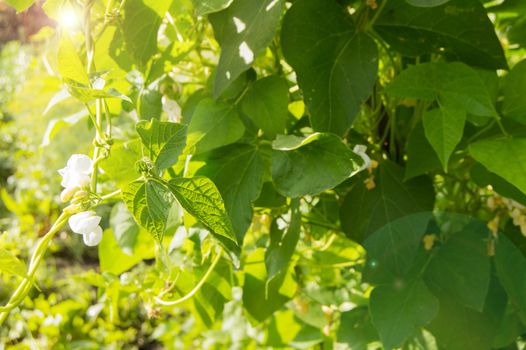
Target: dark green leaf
(426, 3)
(458, 327)
(514, 103)
(266, 103)
(392, 249)
(460, 29)
(302, 166)
(364, 211)
(164, 140)
(421, 157)
(237, 171)
(461, 267)
(243, 30)
(444, 128)
(511, 270)
(398, 310)
(149, 202)
(336, 65)
(505, 157)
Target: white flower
(75, 175)
(84, 222)
(93, 238)
(360, 150)
(87, 223)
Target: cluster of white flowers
(76, 177)
(515, 210)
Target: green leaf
(150, 203)
(336, 65)
(453, 84)
(149, 103)
(426, 3)
(444, 128)
(310, 165)
(87, 94)
(461, 267)
(140, 25)
(243, 30)
(398, 310)
(505, 157)
(11, 265)
(421, 157)
(482, 177)
(164, 140)
(201, 198)
(120, 165)
(364, 211)
(237, 171)
(514, 105)
(356, 330)
(259, 299)
(280, 250)
(69, 63)
(266, 103)
(20, 5)
(460, 29)
(213, 124)
(205, 7)
(124, 227)
(458, 327)
(392, 249)
(511, 270)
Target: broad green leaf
(243, 30)
(164, 140)
(356, 330)
(140, 25)
(505, 157)
(461, 267)
(421, 157)
(70, 66)
(392, 249)
(460, 29)
(11, 265)
(201, 198)
(20, 5)
(514, 105)
(364, 211)
(213, 124)
(124, 227)
(237, 171)
(149, 103)
(266, 103)
(511, 270)
(397, 311)
(287, 330)
(259, 299)
(205, 7)
(280, 250)
(86, 94)
(458, 327)
(453, 84)
(444, 128)
(120, 165)
(336, 65)
(310, 165)
(426, 3)
(149, 202)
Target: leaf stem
(197, 286)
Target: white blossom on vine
(76, 175)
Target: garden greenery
(343, 174)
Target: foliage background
(423, 250)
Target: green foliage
(335, 174)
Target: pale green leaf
(20, 5)
(70, 66)
(11, 265)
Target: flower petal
(84, 222)
(80, 163)
(93, 238)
